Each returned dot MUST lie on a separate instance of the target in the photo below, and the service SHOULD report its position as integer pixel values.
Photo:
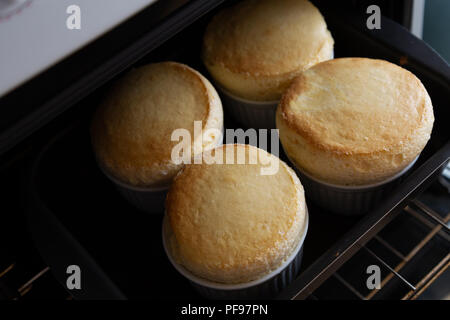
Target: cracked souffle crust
(230, 224)
(255, 48)
(131, 131)
(354, 121)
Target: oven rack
(437, 226)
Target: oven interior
(58, 207)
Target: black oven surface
(76, 216)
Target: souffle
(255, 48)
(131, 131)
(228, 223)
(354, 121)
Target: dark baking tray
(77, 217)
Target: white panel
(34, 35)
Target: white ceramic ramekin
(348, 200)
(252, 114)
(264, 288)
(150, 200)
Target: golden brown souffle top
(354, 121)
(255, 48)
(131, 131)
(230, 224)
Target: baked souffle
(255, 48)
(228, 223)
(354, 121)
(131, 131)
